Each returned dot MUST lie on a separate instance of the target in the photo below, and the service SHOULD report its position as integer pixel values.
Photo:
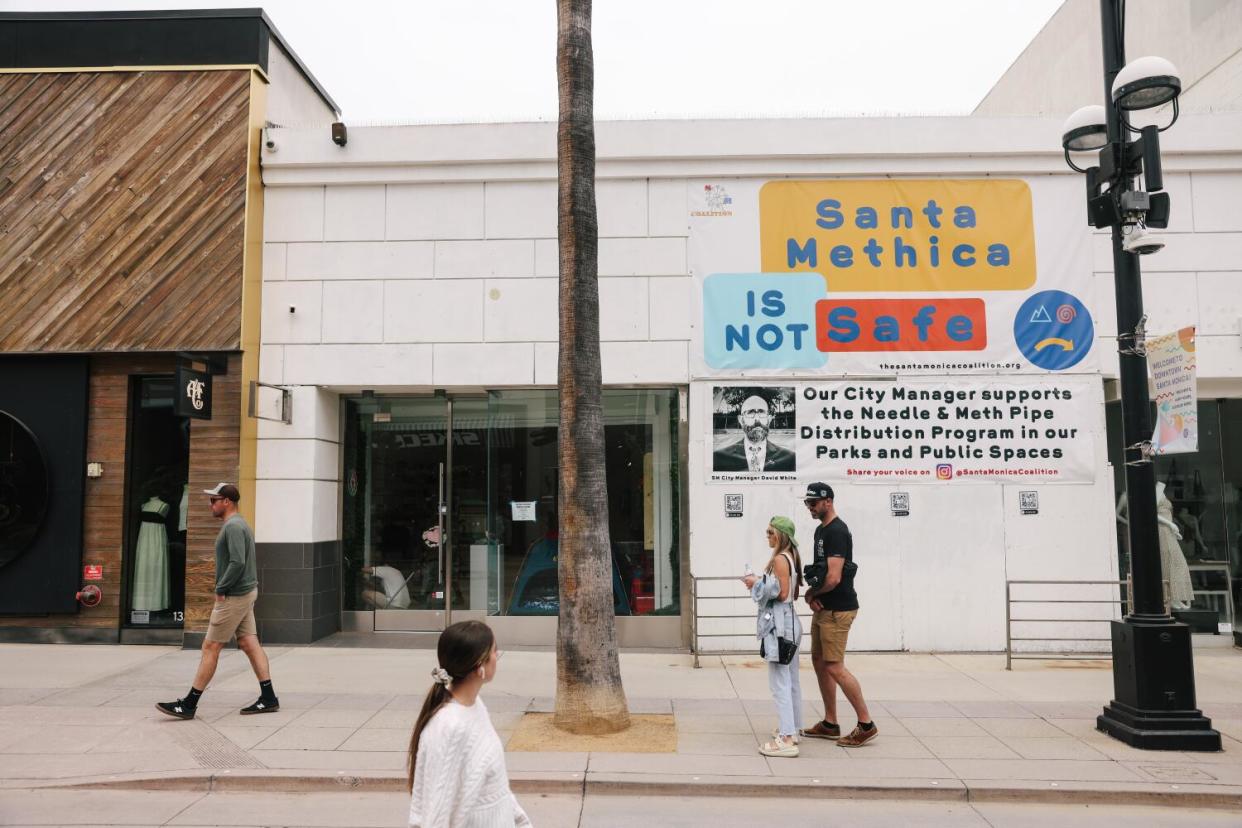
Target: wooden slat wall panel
(214, 457)
(122, 201)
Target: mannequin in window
(1172, 561)
(150, 588)
(1190, 534)
(1173, 567)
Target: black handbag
(785, 650)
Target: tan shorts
(829, 632)
(233, 616)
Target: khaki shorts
(829, 632)
(233, 616)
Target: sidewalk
(951, 726)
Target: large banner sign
(890, 277)
(907, 431)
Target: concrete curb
(628, 784)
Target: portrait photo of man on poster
(753, 429)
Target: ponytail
(437, 697)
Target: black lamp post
(1153, 664)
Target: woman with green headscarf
(779, 632)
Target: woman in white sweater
(457, 763)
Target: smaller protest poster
(1172, 361)
(754, 433)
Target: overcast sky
(414, 61)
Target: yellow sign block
(901, 235)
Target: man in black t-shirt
(835, 604)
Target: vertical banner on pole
(1172, 360)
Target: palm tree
(589, 695)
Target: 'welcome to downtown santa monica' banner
(890, 276)
(906, 431)
(1172, 362)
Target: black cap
(818, 491)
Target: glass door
(157, 506)
(415, 510)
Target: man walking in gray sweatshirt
(237, 587)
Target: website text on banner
(891, 276)
(912, 431)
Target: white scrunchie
(440, 676)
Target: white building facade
(409, 309)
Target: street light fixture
(1153, 664)
(1085, 130)
(1146, 82)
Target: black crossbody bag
(785, 650)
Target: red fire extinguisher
(636, 584)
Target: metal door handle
(440, 526)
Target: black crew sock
(266, 692)
(192, 697)
(830, 724)
(867, 725)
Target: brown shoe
(858, 737)
(822, 730)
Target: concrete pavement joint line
(188, 806)
(939, 658)
(979, 814)
(745, 711)
(583, 789)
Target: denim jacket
(776, 618)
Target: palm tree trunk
(589, 695)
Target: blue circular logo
(1053, 330)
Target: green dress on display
(151, 558)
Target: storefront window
(499, 498)
(158, 505)
(1199, 494)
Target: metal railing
(1010, 638)
(696, 635)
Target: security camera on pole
(1153, 665)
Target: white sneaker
(776, 734)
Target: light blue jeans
(787, 693)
